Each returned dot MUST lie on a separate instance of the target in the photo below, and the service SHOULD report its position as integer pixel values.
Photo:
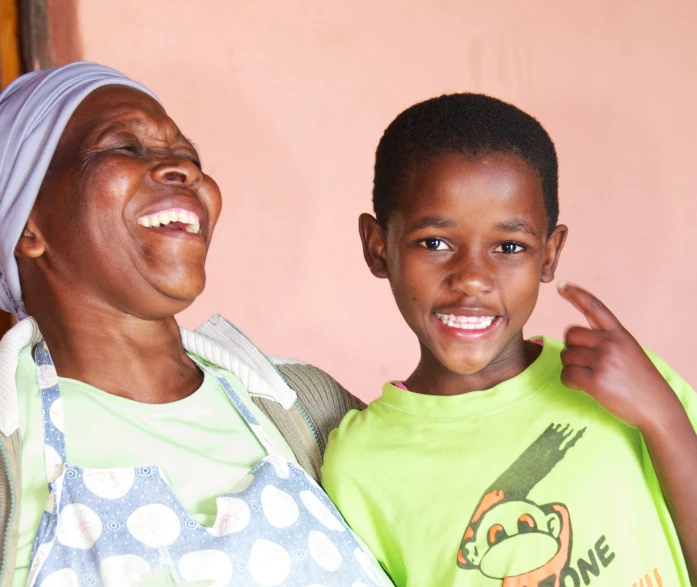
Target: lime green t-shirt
(201, 443)
(527, 484)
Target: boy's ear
(555, 243)
(373, 239)
(31, 244)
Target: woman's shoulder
(323, 397)
(20, 336)
(279, 379)
(304, 402)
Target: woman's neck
(141, 360)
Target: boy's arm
(606, 362)
(347, 477)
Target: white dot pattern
(280, 508)
(109, 483)
(269, 564)
(211, 567)
(56, 414)
(79, 526)
(233, 516)
(54, 463)
(323, 551)
(46, 376)
(125, 527)
(65, 577)
(280, 465)
(320, 511)
(124, 569)
(154, 525)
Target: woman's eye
(196, 162)
(509, 248)
(128, 148)
(434, 244)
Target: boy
(486, 467)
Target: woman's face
(125, 213)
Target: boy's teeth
(174, 215)
(466, 322)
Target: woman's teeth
(466, 322)
(172, 215)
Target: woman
(133, 453)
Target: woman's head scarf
(34, 111)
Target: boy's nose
(472, 278)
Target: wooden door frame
(24, 46)
(10, 52)
(34, 34)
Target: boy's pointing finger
(598, 315)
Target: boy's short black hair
(473, 124)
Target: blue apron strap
(52, 406)
(249, 418)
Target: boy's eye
(509, 248)
(434, 244)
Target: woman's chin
(171, 298)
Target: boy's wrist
(666, 420)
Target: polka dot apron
(126, 527)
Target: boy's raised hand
(606, 362)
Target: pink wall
(288, 100)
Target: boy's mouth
(172, 218)
(467, 322)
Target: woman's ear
(555, 243)
(373, 239)
(31, 244)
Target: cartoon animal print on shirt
(512, 538)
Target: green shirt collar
(476, 403)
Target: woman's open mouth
(172, 219)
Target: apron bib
(126, 527)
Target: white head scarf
(34, 111)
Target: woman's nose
(177, 170)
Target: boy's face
(465, 251)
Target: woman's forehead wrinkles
(119, 125)
(142, 125)
(135, 114)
